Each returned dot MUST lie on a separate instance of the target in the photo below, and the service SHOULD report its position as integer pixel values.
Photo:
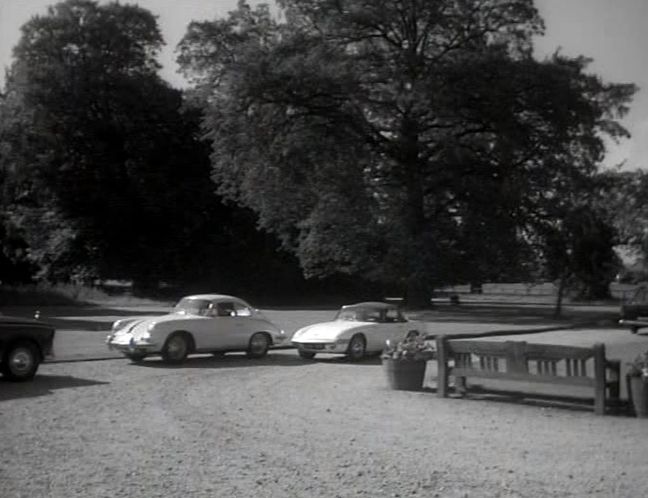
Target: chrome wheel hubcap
(177, 347)
(258, 343)
(21, 361)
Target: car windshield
(640, 296)
(191, 306)
(359, 315)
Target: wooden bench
(521, 361)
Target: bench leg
(460, 385)
(614, 384)
(442, 367)
(442, 380)
(599, 403)
(599, 379)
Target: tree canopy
(410, 141)
(105, 172)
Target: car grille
(314, 345)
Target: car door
(218, 328)
(378, 331)
(243, 325)
(394, 326)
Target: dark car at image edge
(24, 344)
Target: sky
(611, 32)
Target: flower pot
(406, 375)
(638, 392)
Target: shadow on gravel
(227, 361)
(368, 361)
(42, 385)
(563, 402)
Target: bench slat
(532, 351)
(545, 379)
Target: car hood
(329, 331)
(141, 324)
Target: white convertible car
(205, 323)
(357, 330)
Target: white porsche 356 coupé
(205, 323)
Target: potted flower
(638, 384)
(404, 362)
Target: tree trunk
(559, 296)
(417, 294)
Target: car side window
(225, 309)
(392, 316)
(373, 316)
(241, 310)
(640, 296)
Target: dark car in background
(634, 311)
(24, 344)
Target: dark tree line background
(387, 146)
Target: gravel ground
(284, 427)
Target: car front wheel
(136, 358)
(175, 349)
(307, 355)
(21, 361)
(357, 348)
(258, 345)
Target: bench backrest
(522, 360)
(517, 360)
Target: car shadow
(371, 360)
(230, 360)
(41, 385)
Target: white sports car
(357, 330)
(205, 323)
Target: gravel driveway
(284, 427)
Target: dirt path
(282, 427)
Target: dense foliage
(105, 175)
(406, 143)
(416, 141)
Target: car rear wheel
(357, 347)
(307, 355)
(258, 345)
(21, 361)
(176, 348)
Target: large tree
(105, 172)
(415, 141)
